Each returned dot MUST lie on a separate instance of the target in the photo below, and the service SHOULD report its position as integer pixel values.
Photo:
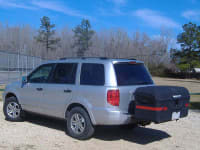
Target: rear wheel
(12, 110)
(79, 125)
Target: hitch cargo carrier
(161, 103)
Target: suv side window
(65, 73)
(92, 74)
(41, 74)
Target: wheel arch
(10, 94)
(75, 104)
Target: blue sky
(131, 15)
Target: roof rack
(94, 57)
(132, 59)
(64, 58)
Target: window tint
(92, 74)
(64, 73)
(41, 74)
(132, 74)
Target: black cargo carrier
(161, 103)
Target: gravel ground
(44, 133)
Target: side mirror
(24, 80)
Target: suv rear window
(132, 74)
(92, 74)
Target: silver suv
(85, 92)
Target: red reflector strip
(186, 105)
(152, 108)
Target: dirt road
(46, 134)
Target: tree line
(188, 56)
(158, 52)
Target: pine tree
(82, 36)
(189, 40)
(46, 35)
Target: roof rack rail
(132, 59)
(95, 57)
(64, 58)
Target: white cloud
(14, 4)
(155, 19)
(50, 5)
(191, 14)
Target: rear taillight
(113, 97)
(186, 105)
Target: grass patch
(1, 91)
(1, 96)
(194, 93)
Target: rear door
(130, 75)
(92, 81)
(59, 90)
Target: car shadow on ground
(195, 106)
(139, 135)
(48, 122)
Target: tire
(12, 110)
(83, 129)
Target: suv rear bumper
(103, 116)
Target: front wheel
(79, 125)
(12, 110)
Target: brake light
(113, 97)
(186, 105)
(132, 62)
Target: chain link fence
(13, 66)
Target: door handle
(67, 91)
(39, 89)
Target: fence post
(8, 67)
(33, 63)
(18, 66)
(26, 65)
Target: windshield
(132, 74)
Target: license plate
(175, 115)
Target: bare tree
(112, 43)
